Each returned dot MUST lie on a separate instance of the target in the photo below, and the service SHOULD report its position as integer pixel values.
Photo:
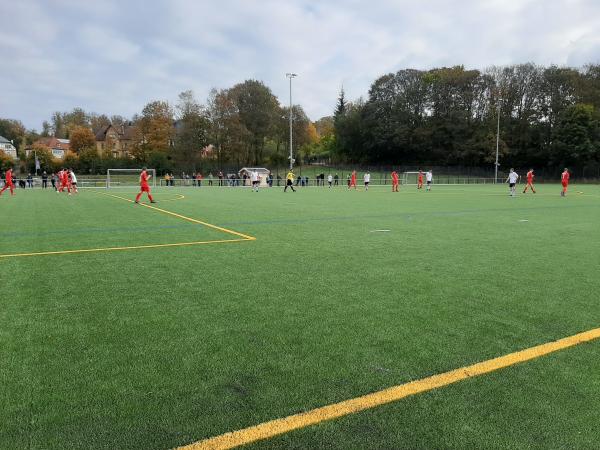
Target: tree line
(549, 117)
(241, 125)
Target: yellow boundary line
(242, 237)
(189, 219)
(284, 425)
(112, 249)
(177, 197)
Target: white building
(7, 147)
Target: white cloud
(113, 57)
(108, 44)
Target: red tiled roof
(54, 143)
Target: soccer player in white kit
(329, 180)
(429, 179)
(367, 180)
(73, 181)
(512, 179)
(255, 180)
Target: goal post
(410, 177)
(127, 177)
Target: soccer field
(125, 326)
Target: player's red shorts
(565, 183)
(145, 188)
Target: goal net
(127, 177)
(411, 177)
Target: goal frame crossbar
(405, 176)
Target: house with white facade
(7, 147)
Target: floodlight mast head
(291, 75)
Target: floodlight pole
(290, 76)
(497, 141)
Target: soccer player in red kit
(530, 177)
(65, 181)
(60, 181)
(564, 178)
(8, 182)
(420, 180)
(352, 180)
(144, 186)
(395, 181)
(63, 178)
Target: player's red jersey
(394, 177)
(420, 176)
(144, 179)
(9, 176)
(353, 177)
(565, 177)
(530, 176)
(144, 187)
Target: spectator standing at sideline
(44, 180)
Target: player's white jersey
(429, 176)
(367, 177)
(254, 175)
(73, 177)
(329, 178)
(513, 177)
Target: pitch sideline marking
(112, 249)
(189, 219)
(177, 196)
(276, 427)
(242, 237)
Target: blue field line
(95, 230)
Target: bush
(6, 162)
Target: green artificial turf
(162, 347)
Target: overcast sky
(113, 57)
